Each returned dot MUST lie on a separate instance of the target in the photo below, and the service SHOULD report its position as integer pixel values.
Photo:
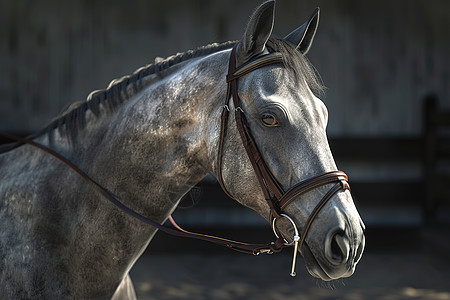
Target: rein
(274, 194)
(254, 249)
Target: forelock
(299, 64)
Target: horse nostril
(338, 249)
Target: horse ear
(303, 36)
(257, 32)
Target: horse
(148, 138)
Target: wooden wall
(377, 58)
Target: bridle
(274, 194)
(276, 197)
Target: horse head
(287, 122)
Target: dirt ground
(416, 269)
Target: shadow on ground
(399, 263)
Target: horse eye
(269, 120)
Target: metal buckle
(293, 243)
(263, 251)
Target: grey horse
(149, 138)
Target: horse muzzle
(337, 258)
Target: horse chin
(315, 268)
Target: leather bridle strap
(271, 188)
(247, 248)
(311, 184)
(314, 183)
(336, 188)
(233, 75)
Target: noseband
(276, 197)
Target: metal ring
(293, 225)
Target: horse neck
(153, 148)
(149, 151)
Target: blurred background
(386, 67)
